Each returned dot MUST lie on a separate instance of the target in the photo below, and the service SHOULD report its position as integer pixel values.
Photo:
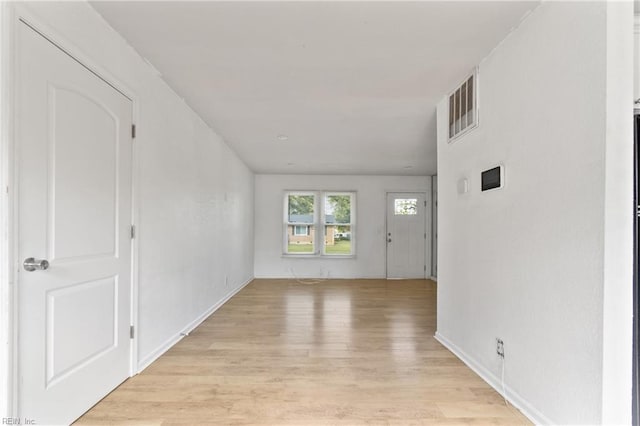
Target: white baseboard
(434, 279)
(279, 277)
(495, 382)
(168, 344)
(366, 277)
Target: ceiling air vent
(463, 110)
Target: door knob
(389, 240)
(32, 264)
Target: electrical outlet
(500, 347)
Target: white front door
(406, 237)
(73, 143)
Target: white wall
(194, 195)
(528, 263)
(636, 58)
(617, 347)
(370, 259)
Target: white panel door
(74, 151)
(406, 238)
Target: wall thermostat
(493, 178)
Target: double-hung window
(300, 222)
(319, 223)
(337, 214)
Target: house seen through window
(330, 212)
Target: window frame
(287, 223)
(318, 223)
(324, 223)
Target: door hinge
(133, 231)
(425, 235)
(132, 332)
(425, 268)
(425, 203)
(133, 131)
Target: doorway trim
(636, 290)
(434, 228)
(427, 218)
(11, 16)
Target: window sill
(318, 256)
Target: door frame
(427, 220)
(434, 228)
(11, 16)
(635, 389)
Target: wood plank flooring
(339, 352)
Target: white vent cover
(463, 110)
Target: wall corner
(618, 217)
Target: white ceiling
(353, 85)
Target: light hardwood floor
(339, 352)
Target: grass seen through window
(340, 247)
(300, 248)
